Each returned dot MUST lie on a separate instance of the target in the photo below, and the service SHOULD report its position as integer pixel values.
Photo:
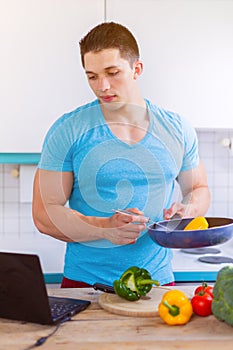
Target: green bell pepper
(134, 283)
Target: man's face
(110, 77)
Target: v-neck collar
(117, 139)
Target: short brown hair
(110, 35)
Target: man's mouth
(107, 98)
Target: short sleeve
(57, 148)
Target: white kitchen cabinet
(40, 66)
(186, 47)
(187, 50)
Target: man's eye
(113, 73)
(91, 77)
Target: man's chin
(112, 106)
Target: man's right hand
(126, 228)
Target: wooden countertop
(97, 329)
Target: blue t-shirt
(110, 174)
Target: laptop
(23, 294)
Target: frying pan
(171, 234)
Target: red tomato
(201, 304)
(204, 288)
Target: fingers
(128, 227)
(136, 211)
(177, 209)
(168, 213)
(137, 216)
(131, 223)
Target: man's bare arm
(195, 192)
(51, 191)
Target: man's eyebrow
(107, 68)
(110, 67)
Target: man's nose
(103, 84)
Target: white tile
(211, 189)
(1, 194)
(210, 179)
(11, 194)
(11, 225)
(206, 150)
(221, 179)
(231, 179)
(220, 209)
(11, 210)
(210, 211)
(221, 164)
(208, 164)
(219, 135)
(230, 194)
(10, 181)
(220, 151)
(27, 173)
(220, 194)
(25, 209)
(231, 163)
(26, 225)
(1, 179)
(230, 210)
(7, 168)
(205, 136)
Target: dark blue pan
(170, 233)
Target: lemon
(199, 223)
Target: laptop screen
(23, 294)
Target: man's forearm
(197, 201)
(69, 225)
(193, 204)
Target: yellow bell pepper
(198, 223)
(175, 308)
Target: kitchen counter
(96, 329)
(19, 158)
(187, 267)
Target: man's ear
(138, 68)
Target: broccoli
(222, 304)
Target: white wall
(187, 50)
(40, 67)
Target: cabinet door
(40, 66)
(187, 50)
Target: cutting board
(145, 307)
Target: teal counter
(181, 276)
(19, 158)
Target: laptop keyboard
(59, 308)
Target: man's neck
(129, 123)
(126, 113)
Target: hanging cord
(42, 340)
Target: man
(119, 151)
